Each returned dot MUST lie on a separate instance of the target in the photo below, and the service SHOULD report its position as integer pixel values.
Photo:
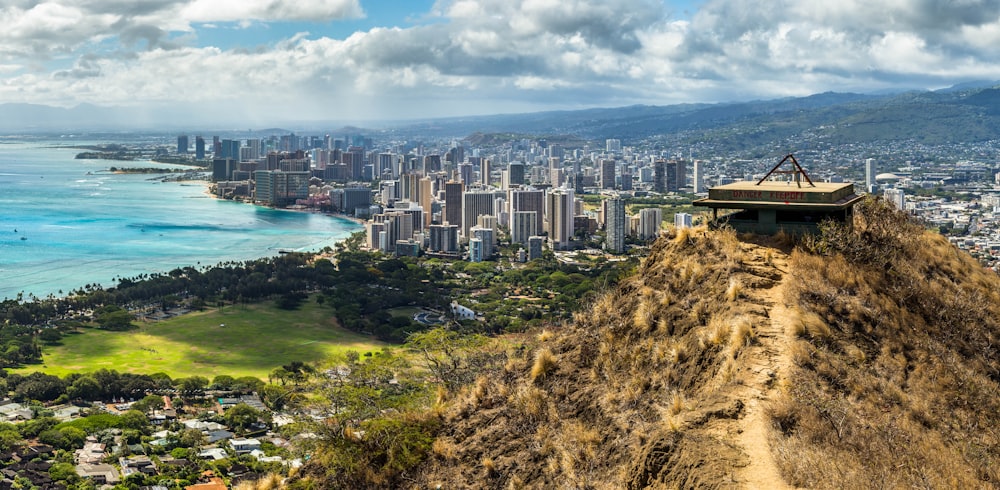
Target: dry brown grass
(895, 382)
(735, 290)
(545, 362)
(270, 481)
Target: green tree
(241, 416)
(85, 388)
(135, 420)
(64, 472)
(148, 403)
(192, 385)
(447, 354)
(223, 382)
(191, 438)
(9, 438)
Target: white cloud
(270, 10)
(500, 54)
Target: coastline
(96, 227)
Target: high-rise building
(650, 220)
(680, 175)
(626, 181)
(523, 225)
(555, 171)
(356, 197)
(222, 169)
(896, 197)
(278, 188)
(386, 166)
(613, 145)
(453, 203)
(254, 146)
(667, 175)
(487, 237)
(608, 174)
(182, 144)
(372, 231)
(515, 174)
(444, 238)
(698, 177)
(354, 158)
(398, 226)
(230, 149)
(528, 200)
(199, 148)
(465, 172)
(870, 174)
(475, 203)
(476, 252)
(682, 220)
(535, 244)
(485, 167)
(426, 198)
(615, 219)
(560, 210)
(432, 163)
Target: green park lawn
(254, 341)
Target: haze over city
(254, 62)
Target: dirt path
(768, 361)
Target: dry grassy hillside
(649, 387)
(864, 359)
(897, 362)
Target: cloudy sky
(355, 60)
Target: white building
(682, 220)
(650, 220)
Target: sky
(356, 60)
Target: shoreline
(312, 240)
(208, 192)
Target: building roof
(780, 195)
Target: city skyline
(354, 60)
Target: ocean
(65, 223)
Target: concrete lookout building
(793, 206)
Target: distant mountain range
(965, 113)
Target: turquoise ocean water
(81, 224)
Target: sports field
(238, 341)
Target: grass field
(255, 340)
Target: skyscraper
(199, 148)
(682, 220)
(698, 177)
(523, 225)
(896, 197)
(182, 144)
(870, 174)
(607, 174)
(515, 173)
(453, 203)
(230, 149)
(650, 220)
(426, 198)
(528, 200)
(485, 167)
(475, 203)
(615, 218)
(444, 238)
(560, 210)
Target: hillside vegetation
(862, 358)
